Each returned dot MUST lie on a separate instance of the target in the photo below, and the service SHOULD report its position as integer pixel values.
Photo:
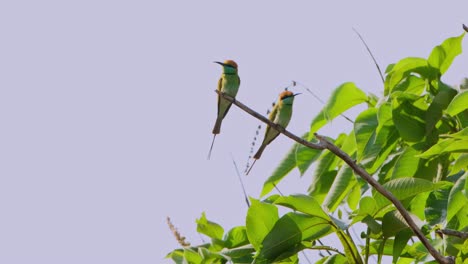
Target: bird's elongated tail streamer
(211, 148)
(251, 166)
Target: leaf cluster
(413, 140)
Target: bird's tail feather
(259, 151)
(217, 126)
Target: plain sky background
(107, 107)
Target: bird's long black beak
(220, 63)
(296, 94)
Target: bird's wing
(220, 84)
(271, 117)
(273, 113)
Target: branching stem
(325, 144)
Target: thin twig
(370, 52)
(265, 120)
(450, 232)
(325, 144)
(328, 249)
(277, 189)
(241, 182)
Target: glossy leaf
(403, 188)
(305, 156)
(211, 229)
(285, 166)
(443, 55)
(409, 118)
(341, 187)
(458, 104)
(401, 240)
(403, 69)
(261, 217)
(236, 237)
(457, 198)
(438, 105)
(285, 237)
(407, 164)
(304, 204)
(343, 98)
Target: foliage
(414, 140)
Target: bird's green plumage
(281, 115)
(229, 84)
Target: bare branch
(325, 144)
(450, 232)
(265, 120)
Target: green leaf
(351, 251)
(286, 165)
(261, 217)
(305, 156)
(375, 137)
(376, 247)
(364, 129)
(343, 98)
(393, 222)
(373, 226)
(239, 252)
(457, 198)
(341, 187)
(458, 104)
(354, 196)
(236, 237)
(403, 69)
(284, 240)
(412, 84)
(418, 204)
(445, 146)
(443, 55)
(177, 256)
(401, 240)
(403, 188)
(367, 206)
(440, 102)
(211, 229)
(333, 259)
(406, 164)
(409, 118)
(285, 237)
(325, 172)
(192, 257)
(303, 203)
(436, 206)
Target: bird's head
(287, 97)
(229, 66)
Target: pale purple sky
(106, 110)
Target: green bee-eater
(229, 84)
(281, 115)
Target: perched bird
(281, 115)
(229, 84)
